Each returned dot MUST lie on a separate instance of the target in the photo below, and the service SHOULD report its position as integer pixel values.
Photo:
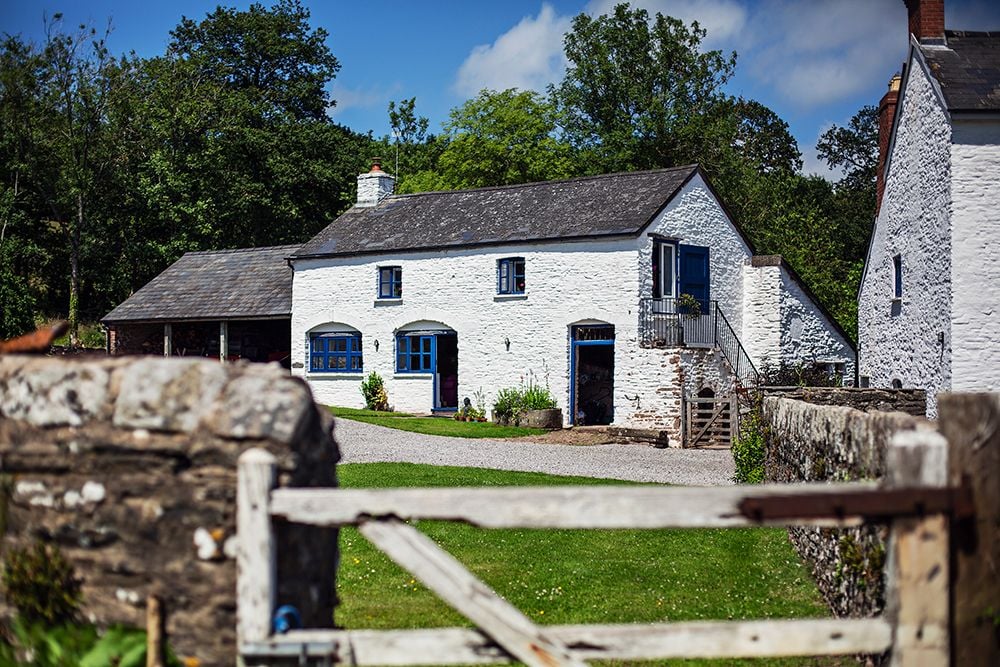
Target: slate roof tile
(968, 69)
(606, 205)
(218, 284)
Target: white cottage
(929, 302)
(577, 284)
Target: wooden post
(917, 587)
(223, 341)
(971, 424)
(255, 557)
(155, 622)
(168, 339)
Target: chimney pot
(926, 20)
(376, 164)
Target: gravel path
(367, 443)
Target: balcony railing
(667, 323)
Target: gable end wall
(900, 340)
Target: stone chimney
(886, 114)
(374, 186)
(926, 20)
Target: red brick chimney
(886, 114)
(926, 20)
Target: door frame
(436, 384)
(574, 346)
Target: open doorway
(446, 372)
(592, 384)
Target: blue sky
(814, 62)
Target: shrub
(512, 402)
(373, 389)
(41, 585)
(750, 447)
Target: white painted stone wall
(807, 336)
(975, 268)
(762, 315)
(900, 340)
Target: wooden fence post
(255, 558)
(917, 586)
(155, 623)
(971, 424)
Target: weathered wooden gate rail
(915, 628)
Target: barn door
(693, 276)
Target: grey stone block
(171, 395)
(52, 392)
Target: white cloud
(815, 53)
(722, 19)
(362, 97)
(528, 56)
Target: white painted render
(909, 339)
(567, 283)
(975, 268)
(941, 213)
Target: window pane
(317, 362)
(397, 290)
(355, 363)
(356, 343)
(401, 362)
(338, 362)
(425, 344)
(318, 344)
(415, 362)
(503, 284)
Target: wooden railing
(913, 500)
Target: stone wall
(814, 443)
(911, 401)
(129, 465)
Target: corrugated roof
(968, 69)
(218, 284)
(611, 204)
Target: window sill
(422, 375)
(387, 301)
(335, 375)
(510, 297)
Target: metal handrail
(665, 323)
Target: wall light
(506, 341)
(376, 344)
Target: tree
(854, 148)
(503, 138)
(640, 94)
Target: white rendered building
(573, 284)
(929, 302)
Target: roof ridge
(488, 188)
(222, 251)
(972, 33)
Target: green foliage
(75, 646)
(17, 303)
(41, 585)
(373, 389)
(689, 305)
(800, 374)
(512, 402)
(750, 446)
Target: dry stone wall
(129, 465)
(816, 443)
(911, 401)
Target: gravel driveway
(367, 443)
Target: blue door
(693, 277)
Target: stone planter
(550, 419)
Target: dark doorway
(446, 380)
(593, 375)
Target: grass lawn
(433, 425)
(577, 576)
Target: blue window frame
(390, 282)
(415, 353)
(897, 277)
(335, 353)
(510, 275)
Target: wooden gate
(710, 422)
(914, 500)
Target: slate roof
(592, 206)
(968, 69)
(219, 284)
